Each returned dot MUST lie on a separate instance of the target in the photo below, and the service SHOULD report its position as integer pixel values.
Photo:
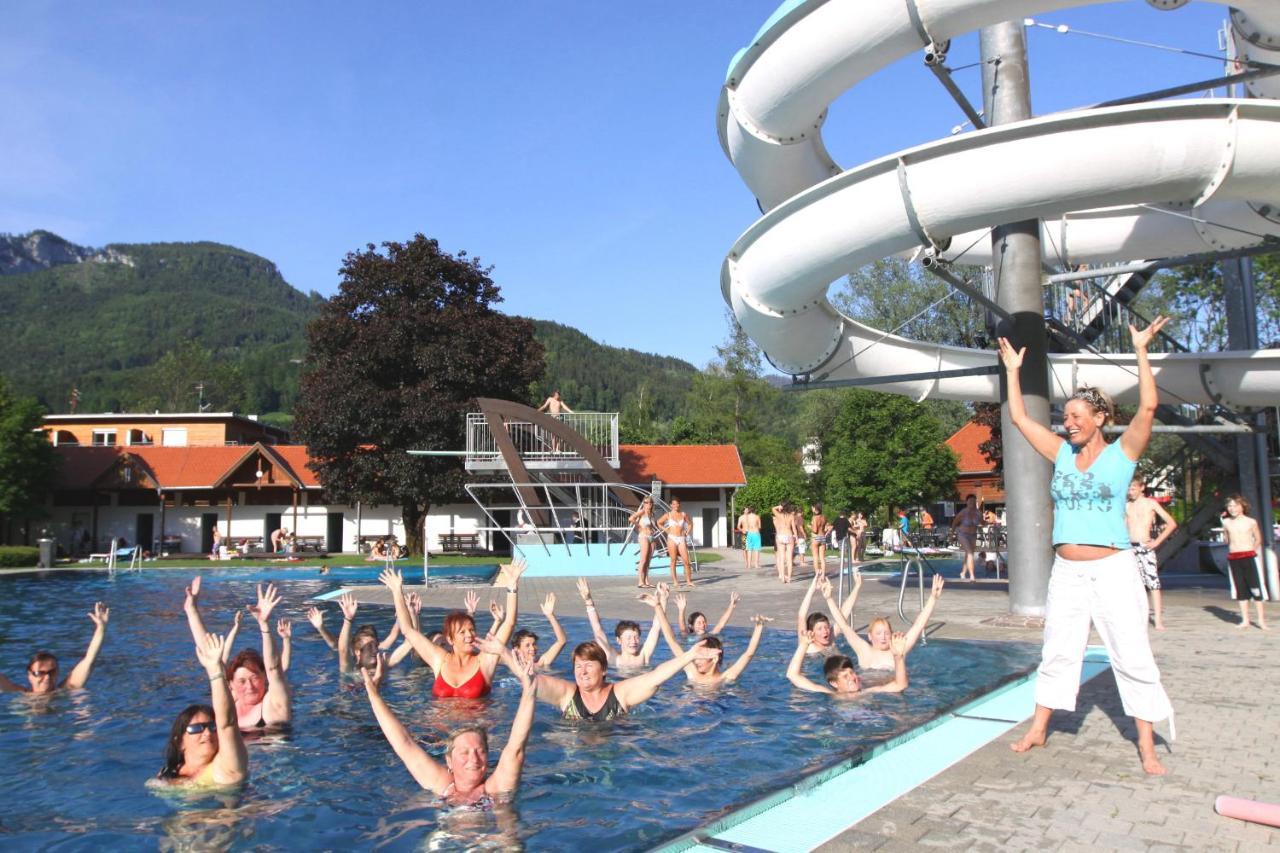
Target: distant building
(190, 429)
(975, 474)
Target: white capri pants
(1108, 593)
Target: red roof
(176, 467)
(965, 443)
(682, 464)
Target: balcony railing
(540, 449)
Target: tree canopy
(28, 463)
(394, 362)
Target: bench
(367, 541)
(460, 543)
(309, 543)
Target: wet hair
(876, 621)
(1240, 499)
(711, 641)
(590, 650)
(455, 620)
(173, 757)
(519, 636)
(693, 617)
(364, 631)
(626, 625)
(466, 730)
(40, 656)
(249, 659)
(1098, 400)
(815, 619)
(832, 666)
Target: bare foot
(1159, 626)
(1150, 764)
(1242, 626)
(1264, 627)
(1028, 741)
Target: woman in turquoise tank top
(1095, 578)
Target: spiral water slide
(1152, 180)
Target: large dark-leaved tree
(28, 463)
(394, 362)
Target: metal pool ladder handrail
(907, 562)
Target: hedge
(18, 556)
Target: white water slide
(1115, 184)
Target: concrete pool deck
(1085, 789)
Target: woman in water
(42, 669)
(642, 519)
(284, 630)
(524, 643)
(842, 678)
(258, 684)
(590, 697)
(1244, 549)
(630, 654)
(464, 778)
(876, 652)
(462, 671)
(696, 622)
(678, 528)
(1095, 574)
(205, 746)
(965, 524)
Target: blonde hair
(876, 621)
(1098, 400)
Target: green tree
(186, 377)
(885, 450)
(395, 361)
(1194, 298)
(895, 296)
(28, 463)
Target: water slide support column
(1006, 96)
(1251, 450)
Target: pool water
(73, 768)
(367, 574)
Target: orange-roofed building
(976, 474)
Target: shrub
(18, 556)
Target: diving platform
(537, 446)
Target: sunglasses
(197, 728)
(43, 673)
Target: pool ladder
(907, 562)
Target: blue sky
(571, 145)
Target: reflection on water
(74, 766)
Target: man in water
(749, 524)
(1140, 515)
(42, 670)
(842, 679)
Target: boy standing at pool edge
(1140, 515)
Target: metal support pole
(1006, 93)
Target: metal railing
(538, 447)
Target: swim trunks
(753, 540)
(1147, 566)
(1245, 583)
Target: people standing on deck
(750, 524)
(784, 538)
(840, 531)
(679, 529)
(858, 527)
(554, 406)
(215, 552)
(965, 524)
(642, 520)
(279, 540)
(1140, 515)
(464, 778)
(820, 529)
(465, 670)
(42, 669)
(630, 654)
(205, 747)
(1095, 577)
(1244, 558)
(257, 681)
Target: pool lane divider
(821, 806)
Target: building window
(104, 438)
(173, 437)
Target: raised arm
(593, 616)
(851, 600)
(731, 674)
(236, 619)
(655, 631)
(513, 571)
(660, 618)
(284, 628)
(899, 683)
(414, 601)
(275, 705)
(734, 598)
(427, 650)
(796, 676)
(549, 611)
(802, 614)
(859, 645)
(392, 635)
(682, 622)
(192, 608)
(1137, 435)
(425, 770)
(506, 776)
(918, 626)
(7, 685)
(231, 764)
(1037, 434)
(349, 607)
(80, 674)
(632, 691)
(316, 618)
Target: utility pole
(1015, 268)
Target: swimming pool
(368, 573)
(72, 769)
